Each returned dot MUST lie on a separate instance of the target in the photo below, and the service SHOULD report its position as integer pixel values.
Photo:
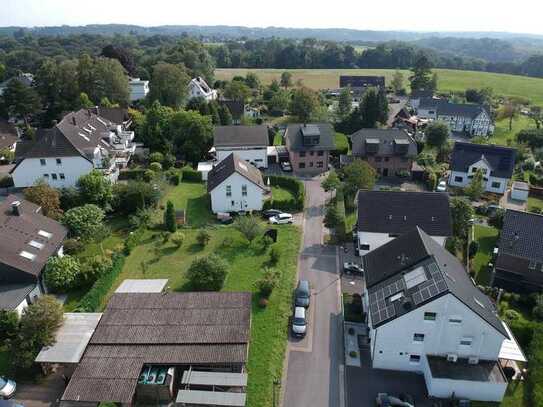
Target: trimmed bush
(189, 175)
(62, 273)
(169, 218)
(155, 167)
(177, 239)
(72, 246)
(133, 239)
(133, 174)
(207, 273)
(92, 301)
(203, 237)
(295, 187)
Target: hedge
(341, 228)
(92, 301)
(132, 174)
(189, 175)
(535, 368)
(291, 184)
(523, 331)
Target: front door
(385, 172)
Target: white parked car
(285, 166)
(442, 186)
(281, 219)
(299, 322)
(7, 388)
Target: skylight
(85, 137)
(396, 296)
(45, 234)
(35, 244)
(27, 255)
(415, 277)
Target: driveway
(45, 393)
(314, 364)
(507, 202)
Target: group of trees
(372, 111)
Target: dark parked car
(302, 294)
(352, 268)
(268, 213)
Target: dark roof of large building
(413, 270)
(230, 165)
(240, 136)
(116, 115)
(11, 295)
(386, 139)
(398, 212)
(417, 94)
(48, 143)
(500, 159)
(28, 239)
(521, 236)
(8, 134)
(167, 329)
(294, 137)
(445, 108)
(357, 81)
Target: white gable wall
(31, 170)
(376, 240)
(236, 202)
(392, 343)
(257, 156)
(460, 179)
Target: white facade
(492, 184)
(257, 156)
(235, 194)
(375, 240)
(481, 125)
(58, 174)
(138, 89)
(199, 88)
(404, 342)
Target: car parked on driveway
(285, 166)
(299, 322)
(7, 388)
(352, 268)
(302, 294)
(280, 219)
(442, 186)
(268, 213)
(385, 400)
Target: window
(311, 153)
(496, 184)
(414, 358)
(232, 203)
(311, 164)
(532, 265)
(458, 179)
(455, 320)
(466, 341)
(386, 159)
(320, 164)
(46, 176)
(54, 176)
(418, 337)
(301, 165)
(61, 175)
(302, 153)
(364, 246)
(59, 161)
(244, 190)
(430, 316)
(320, 153)
(42, 162)
(229, 190)
(473, 169)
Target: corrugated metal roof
(142, 286)
(211, 398)
(195, 377)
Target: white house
(235, 186)
(27, 240)
(138, 89)
(495, 162)
(385, 215)
(81, 142)
(425, 315)
(199, 88)
(470, 119)
(250, 143)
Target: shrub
(275, 255)
(249, 226)
(9, 323)
(84, 221)
(69, 198)
(511, 315)
(203, 237)
(72, 246)
(175, 178)
(142, 218)
(263, 302)
(93, 269)
(62, 273)
(133, 239)
(177, 239)
(169, 218)
(155, 167)
(473, 248)
(207, 273)
(149, 175)
(267, 283)
(189, 175)
(45, 196)
(537, 310)
(156, 157)
(96, 189)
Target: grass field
(487, 237)
(505, 137)
(281, 194)
(449, 79)
(534, 202)
(191, 197)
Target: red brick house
(309, 147)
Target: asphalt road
(314, 369)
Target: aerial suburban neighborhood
(218, 215)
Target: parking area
(45, 393)
(364, 383)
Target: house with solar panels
(496, 163)
(426, 315)
(385, 215)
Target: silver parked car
(299, 322)
(281, 219)
(7, 388)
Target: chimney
(16, 208)
(73, 120)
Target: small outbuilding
(520, 191)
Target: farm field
(449, 79)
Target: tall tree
(286, 79)
(461, 214)
(510, 111)
(397, 82)
(192, 134)
(168, 85)
(21, 101)
(536, 114)
(437, 134)
(345, 103)
(45, 196)
(96, 189)
(476, 187)
(374, 108)
(111, 81)
(169, 217)
(358, 175)
(304, 104)
(225, 115)
(122, 55)
(421, 78)
(237, 90)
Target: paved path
(314, 370)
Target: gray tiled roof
(398, 212)
(386, 266)
(11, 295)
(445, 108)
(244, 136)
(522, 235)
(171, 329)
(500, 159)
(294, 138)
(386, 139)
(230, 165)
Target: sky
(524, 16)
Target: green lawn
(341, 142)
(504, 136)
(193, 198)
(514, 397)
(277, 139)
(281, 194)
(534, 202)
(269, 326)
(449, 79)
(487, 237)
